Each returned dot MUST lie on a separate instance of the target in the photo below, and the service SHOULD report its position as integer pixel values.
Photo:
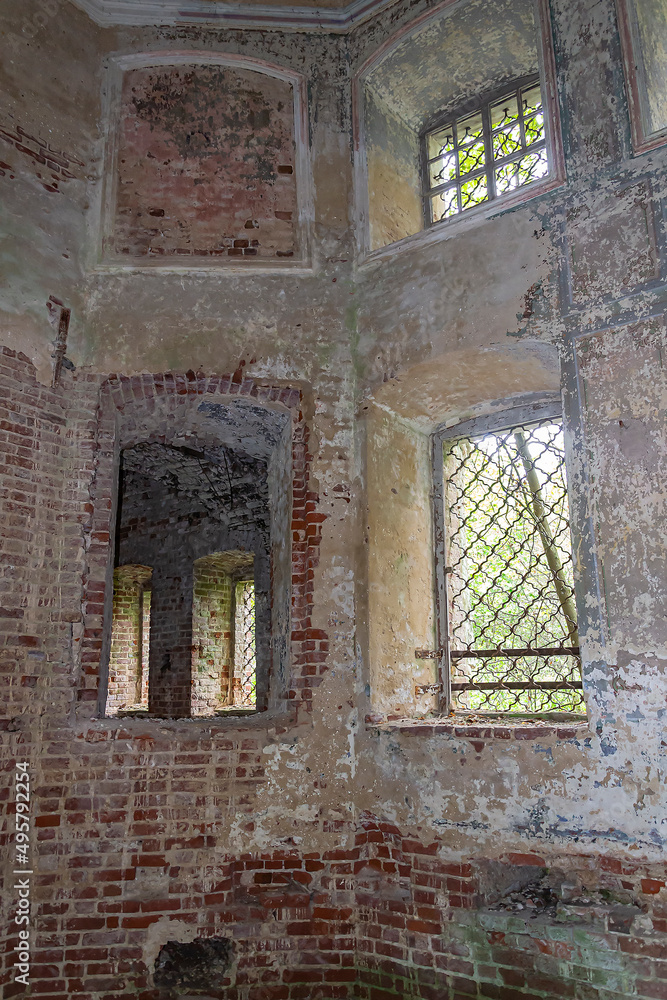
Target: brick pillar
(127, 639)
(170, 658)
(211, 636)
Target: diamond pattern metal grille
(245, 666)
(513, 641)
(481, 156)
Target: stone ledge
(505, 730)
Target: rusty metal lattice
(473, 158)
(245, 665)
(513, 643)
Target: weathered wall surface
(342, 857)
(205, 164)
(394, 192)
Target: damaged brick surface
(205, 163)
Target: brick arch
(127, 407)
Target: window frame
(520, 412)
(481, 104)
(643, 139)
(427, 236)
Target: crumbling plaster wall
(420, 315)
(348, 338)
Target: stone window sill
(499, 729)
(137, 727)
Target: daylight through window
(479, 156)
(245, 668)
(512, 643)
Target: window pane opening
(199, 519)
(245, 666)
(512, 643)
(475, 158)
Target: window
(200, 517)
(643, 25)
(224, 664)
(507, 618)
(485, 153)
(244, 677)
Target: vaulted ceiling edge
(213, 12)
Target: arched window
(507, 619)
(456, 112)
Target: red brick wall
(170, 655)
(206, 164)
(389, 915)
(142, 405)
(430, 927)
(127, 815)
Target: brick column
(211, 636)
(127, 638)
(170, 671)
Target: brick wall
(388, 914)
(149, 407)
(52, 166)
(579, 926)
(96, 793)
(170, 656)
(206, 164)
(127, 815)
(40, 579)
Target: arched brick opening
(189, 409)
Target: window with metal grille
(488, 152)
(244, 680)
(504, 563)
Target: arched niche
(439, 63)
(399, 419)
(207, 163)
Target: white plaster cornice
(216, 12)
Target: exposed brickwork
(139, 401)
(211, 636)
(51, 166)
(509, 730)
(57, 487)
(310, 657)
(429, 928)
(389, 915)
(40, 571)
(206, 164)
(213, 627)
(122, 839)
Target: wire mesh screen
(513, 641)
(245, 666)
